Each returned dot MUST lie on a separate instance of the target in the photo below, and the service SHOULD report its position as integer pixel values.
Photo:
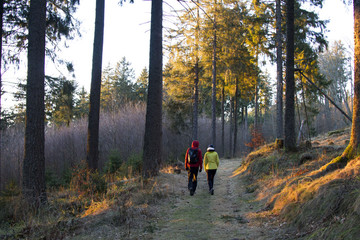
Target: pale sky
(341, 25)
(127, 34)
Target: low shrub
(114, 162)
(86, 182)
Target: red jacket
(195, 144)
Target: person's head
(210, 148)
(195, 144)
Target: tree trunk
(213, 95)
(196, 101)
(213, 102)
(1, 28)
(353, 149)
(346, 102)
(153, 126)
(92, 150)
(34, 188)
(196, 80)
(327, 114)
(279, 93)
(242, 127)
(236, 106)
(223, 119)
(246, 128)
(290, 138)
(231, 124)
(256, 117)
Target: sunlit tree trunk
(196, 102)
(153, 126)
(279, 93)
(196, 80)
(34, 188)
(213, 95)
(92, 150)
(353, 149)
(213, 102)
(290, 138)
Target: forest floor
(269, 194)
(231, 213)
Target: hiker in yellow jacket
(211, 163)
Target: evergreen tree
(1, 92)
(118, 86)
(153, 126)
(279, 74)
(34, 188)
(352, 150)
(82, 104)
(92, 151)
(123, 80)
(59, 24)
(290, 139)
(141, 85)
(333, 65)
(64, 108)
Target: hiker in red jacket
(193, 164)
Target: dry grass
(320, 207)
(121, 132)
(125, 211)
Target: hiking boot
(191, 192)
(212, 191)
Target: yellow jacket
(211, 160)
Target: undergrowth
(314, 205)
(77, 198)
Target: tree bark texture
(231, 117)
(353, 150)
(153, 126)
(92, 151)
(213, 95)
(1, 28)
(256, 117)
(236, 112)
(290, 138)
(196, 80)
(279, 93)
(196, 102)
(223, 119)
(34, 188)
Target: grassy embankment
(313, 205)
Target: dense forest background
(245, 94)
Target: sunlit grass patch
(96, 208)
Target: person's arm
(200, 159)
(217, 160)
(186, 159)
(205, 161)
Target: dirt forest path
(225, 215)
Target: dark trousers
(192, 178)
(210, 178)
